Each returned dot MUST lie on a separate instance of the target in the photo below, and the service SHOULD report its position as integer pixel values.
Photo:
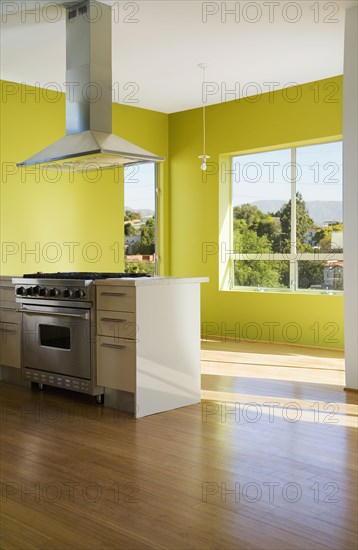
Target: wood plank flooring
(267, 461)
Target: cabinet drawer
(7, 292)
(113, 298)
(9, 313)
(10, 346)
(116, 364)
(116, 324)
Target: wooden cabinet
(117, 358)
(10, 326)
(7, 290)
(148, 341)
(116, 338)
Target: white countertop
(149, 281)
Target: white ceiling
(157, 45)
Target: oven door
(57, 340)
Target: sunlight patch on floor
(273, 361)
(251, 408)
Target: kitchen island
(148, 343)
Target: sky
(139, 186)
(265, 176)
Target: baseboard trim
(205, 338)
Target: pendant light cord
(204, 156)
(204, 113)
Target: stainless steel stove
(59, 328)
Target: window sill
(306, 292)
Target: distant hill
(325, 211)
(320, 211)
(144, 212)
(267, 206)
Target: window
(140, 218)
(287, 219)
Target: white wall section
(350, 197)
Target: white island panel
(168, 347)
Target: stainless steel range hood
(89, 143)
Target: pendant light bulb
(203, 161)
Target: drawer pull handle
(119, 294)
(8, 330)
(110, 320)
(113, 346)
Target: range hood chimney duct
(89, 142)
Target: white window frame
(227, 259)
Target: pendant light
(204, 156)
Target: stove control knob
(30, 291)
(54, 292)
(21, 291)
(35, 290)
(43, 291)
(79, 293)
(67, 293)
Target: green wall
(54, 219)
(64, 225)
(309, 113)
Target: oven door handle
(38, 312)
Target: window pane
(319, 187)
(139, 217)
(261, 195)
(319, 183)
(320, 275)
(333, 275)
(261, 273)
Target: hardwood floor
(267, 461)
